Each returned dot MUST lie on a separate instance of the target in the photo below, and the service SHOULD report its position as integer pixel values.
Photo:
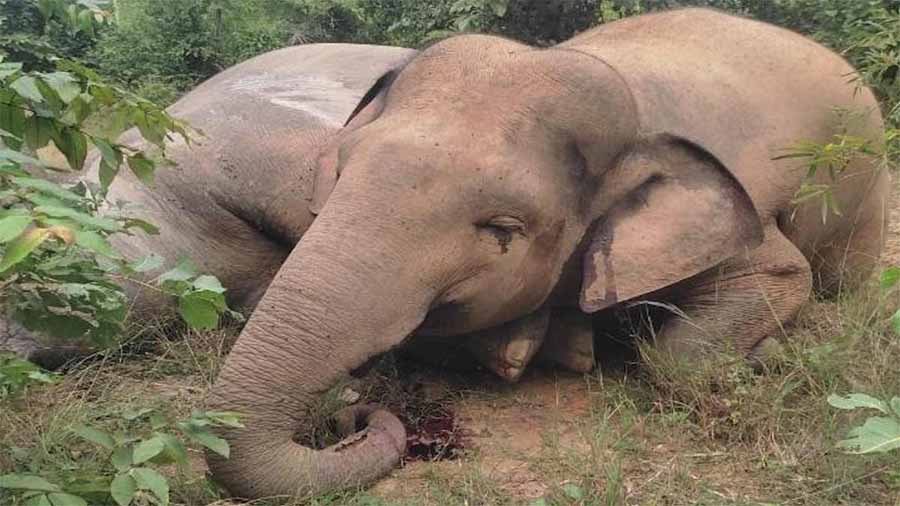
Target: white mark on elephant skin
(324, 99)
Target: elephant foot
(508, 349)
(570, 341)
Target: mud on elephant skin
(487, 191)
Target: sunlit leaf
(27, 482)
(122, 489)
(878, 434)
(95, 436)
(149, 479)
(22, 246)
(146, 450)
(855, 401)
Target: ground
(642, 434)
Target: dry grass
(656, 434)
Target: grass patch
(719, 433)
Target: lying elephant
(491, 192)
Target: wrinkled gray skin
(496, 193)
(239, 198)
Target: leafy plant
(879, 434)
(144, 441)
(17, 374)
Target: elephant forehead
(323, 98)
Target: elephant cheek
(536, 275)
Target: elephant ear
(675, 211)
(368, 109)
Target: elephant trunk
(319, 320)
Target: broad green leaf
(198, 313)
(175, 449)
(63, 499)
(13, 226)
(96, 243)
(122, 458)
(95, 436)
(226, 418)
(147, 227)
(183, 271)
(878, 435)
(895, 405)
(26, 482)
(22, 246)
(15, 156)
(148, 263)
(573, 491)
(210, 283)
(499, 7)
(82, 218)
(73, 144)
(26, 86)
(855, 401)
(122, 489)
(111, 154)
(108, 174)
(63, 83)
(890, 277)
(149, 479)
(142, 168)
(38, 500)
(146, 450)
(38, 132)
(206, 438)
(8, 69)
(48, 187)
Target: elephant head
(470, 188)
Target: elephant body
(495, 196)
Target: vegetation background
(121, 428)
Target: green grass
(657, 434)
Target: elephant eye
(503, 228)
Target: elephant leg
(846, 261)
(742, 305)
(570, 341)
(507, 349)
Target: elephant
(488, 194)
(489, 190)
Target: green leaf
(895, 405)
(63, 499)
(8, 69)
(95, 242)
(95, 436)
(15, 156)
(27, 482)
(895, 322)
(206, 438)
(182, 271)
(38, 132)
(123, 488)
(890, 277)
(146, 450)
(63, 83)
(210, 283)
(855, 401)
(48, 187)
(26, 86)
(85, 219)
(122, 458)
(149, 479)
(148, 263)
(73, 144)
(499, 7)
(22, 246)
(13, 226)
(108, 174)
(573, 491)
(226, 418)
(198, 312)
(175, 450)
(878, 435)
(38, 500)
(142, 168)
